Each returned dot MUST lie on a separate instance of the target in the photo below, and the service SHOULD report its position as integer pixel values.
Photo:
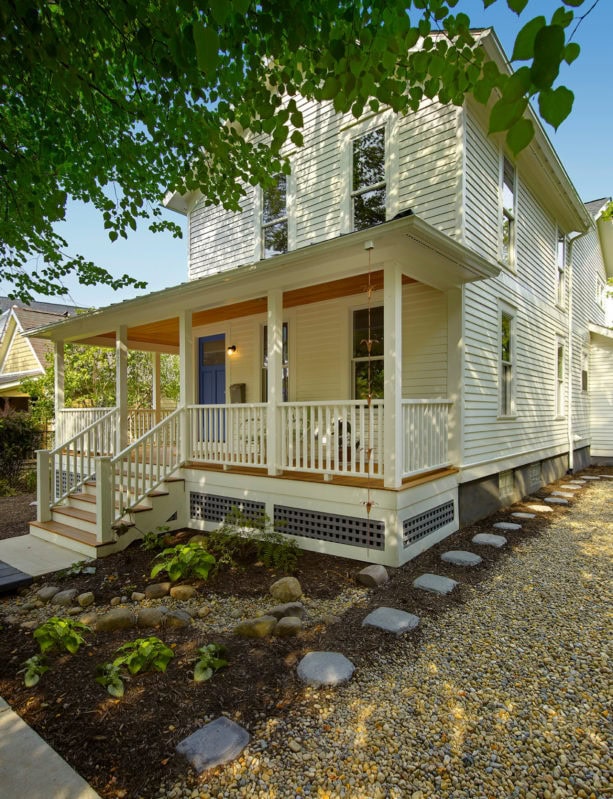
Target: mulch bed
(16, 513)
(127, 748)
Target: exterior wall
(423, 174)
(601, 397)
(19, 357)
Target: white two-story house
(397, 338)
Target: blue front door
(212, 370)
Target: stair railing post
(43, 486)
(105, 500)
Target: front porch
(306, 345)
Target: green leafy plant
(62, 634)
(20, 436)
(209, 661)
(6, 490)
(154, 539)
(77, 568)
(278, 551)
(144, 654)
(184, 560)
(33, 669)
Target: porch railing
(425, 426)
(229, 434)
(332, 437)
(69, 422)
(141, 420)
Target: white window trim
(585, 367)
(511, 312)
(601, 292)
(377, 302)
(561, 273)
(386, 120)
(511, 264)
(560, 384)
(258, 209)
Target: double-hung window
(560, 378)
(509, 212)
(284, 365)
(368, 180)
(561, 256)
(507, 357)
(367, 355)
(274, 218)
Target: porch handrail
(425, 426)
(69, 421)
(229, 434)
(145, 464)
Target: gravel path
(507, 695)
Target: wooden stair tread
(75, 513)
(67, 532)
(90, 498)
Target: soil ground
(126, 748)
(15, 515)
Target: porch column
(275, 380)
(58, 390)
(121, 386)
(186, 376)
(392, 366)
(156, 394)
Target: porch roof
(317, 272)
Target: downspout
(569, 385)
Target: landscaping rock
(296, 609)
(459, 557)
(488, 540)
(256, 628)
(373, 576)
(540, 508)
(216, 743)
(325, 668)
(116, 600)
(64, 598)
(570, 487)
(287, 627)
(589, 477)
(47, 592)
(182, 592)
(137, 596)
(74, 611)
(556, 501)
(177, 619)
(565, 494)
(204, 611)
(157, 590)
(287, 589)
(435, 584)
(89, 619)
(86, 599)
(116, 619)
(151, 617)
(507, 526)
(521, 515)
(391, 620)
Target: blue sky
(582, 142)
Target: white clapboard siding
(424, 342)
(601, 397)
(481, 190)
(536, 246)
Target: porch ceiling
(334, 268)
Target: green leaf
(571, 52)
(207, 47)
(517, 5)
(330, 88)
(116, 688)
(30, 679)
(562, 18)
(548, 52)
(202, 672)
(220, 10)
(504, 115)
(517, 85)
(297, 138)
(555, 105)
(523, 49)
(520, 135)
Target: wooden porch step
(91, 499)
(66, 531)
(74, 513)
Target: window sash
(507, 398)
(368, 179)
(284, 363)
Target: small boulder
(64, 598)
(373, 576)
(182, 592)
(287, 589)
(157, 590)
(89, 619)
(295, 609)
(74, 611)
(256, 628)
(151, 617)
(47, 592)
(137, 596)
(287, 627)
(116, 600)
(86, 599)
(177, 619)
(204, 611)
(116, 619)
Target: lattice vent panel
(331, 527)
(420, 526)
(212, 508)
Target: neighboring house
(409, 258)
(21, 357)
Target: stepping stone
(606, 476)
(459, 557)
(540, 508)
(521, 515)
(435, 584)
(570, 487)
(556, 501)
(11, 578)
(216, 743)
(391, 620)
(589, 477)
(564, 494)
(507, 526)
(325, 668)
(489, 540)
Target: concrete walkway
(36, 557)
(30, 768)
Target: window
(274, 218)
(509, 202)
(368, 184)
(600, 292)
(585, 368)
(284, 368)
(561, 255)
(367, 341)
(560, 379)
(507, 351)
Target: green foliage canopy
(112, 103)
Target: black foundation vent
(330, 527)
(420, 526)
(212, 508)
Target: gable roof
(49, 307)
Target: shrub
(184, 560)
(20, 436)
(62, 634)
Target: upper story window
(367, 354)
(509, 212)
(275, 218)
(600, 292)
(560, 378)
(368, 181)
(561, 256)
(507, 357)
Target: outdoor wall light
(232, 349)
